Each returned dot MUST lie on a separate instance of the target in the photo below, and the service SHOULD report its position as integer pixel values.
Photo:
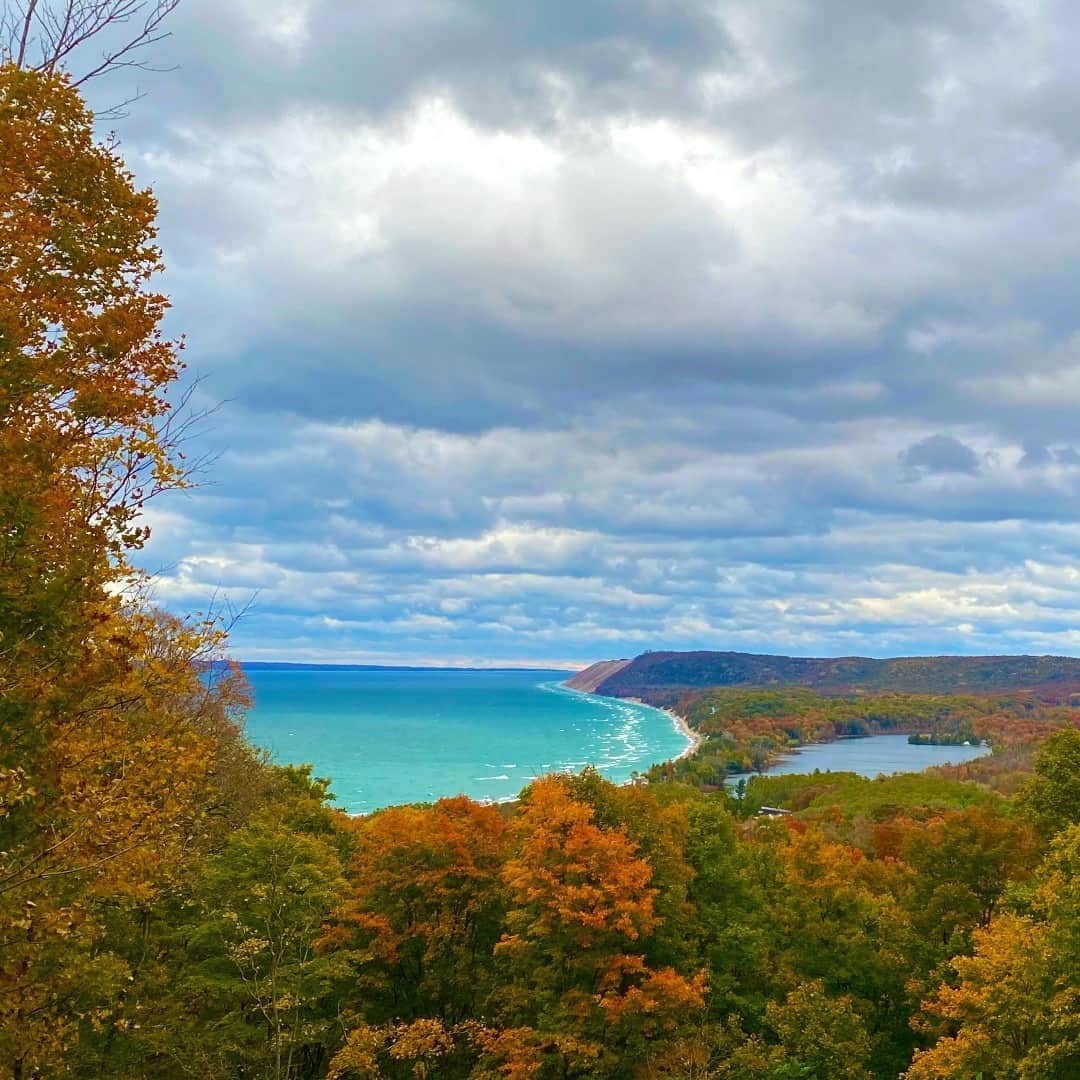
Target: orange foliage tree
(425, 911)
(581, 906)
(486, 950)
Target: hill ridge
(666, 671)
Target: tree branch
(24, 41)
(58, 28)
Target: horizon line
(403, 666)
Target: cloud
(940, 454)
(561, 331)
(1036, 456)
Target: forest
(173, 905)
(745, 730)
(661, 677)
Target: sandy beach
(683, 728)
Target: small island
(942, 738)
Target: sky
(544, 332)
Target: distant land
(659, 677)
(590, 680)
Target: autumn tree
(1011, 1009)
(421, 1048)
(837, 927)
(582, 906)
(996, 1012)
(656, 820)
(484, 951)
(424, 912)
(110, 741)
(832, 919)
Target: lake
(871, 756)
(388, 737)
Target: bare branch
(24, 41)
(119, 111)
(149, 35)
(56, 29)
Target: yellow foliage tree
(109, 738)
(1012, 1009)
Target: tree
(424, 912)
(111, 744)
(659, 829)
(1011, 1010)
(268, 894)
(582, 907)
(249, 993)
(580, 894)
(1052, 797)
(825, 1036)
(729, 920)
(995, 1013)
(831, 918)
(833, 925)
(962, 865)
(807, 1036)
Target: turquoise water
(386, 737)
(872, 756)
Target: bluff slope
(661, 674)
(588, 680)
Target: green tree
(820, 1037)
(1052, 797)
(730, 923)
(1011, 1010)
(963, 863)
(252, 992)
(806, 1036)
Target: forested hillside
(173, 906)
(660, 676)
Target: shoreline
(694, 739)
